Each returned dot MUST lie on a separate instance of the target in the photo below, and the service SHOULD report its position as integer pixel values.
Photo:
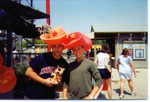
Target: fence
(26, 57)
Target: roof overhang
(90, 35)
(119, 28)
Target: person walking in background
(38, 50)
(15, 55)
(87, 55)
(33, 51)
(92, 54)
(102, 60)
(79, 74)
(69, 55)
(125, 68)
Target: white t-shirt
(101, 60)
(14, 55)
(33, 51)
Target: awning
(27, 12)
(14, 16)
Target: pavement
(140, 84)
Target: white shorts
(125, 76)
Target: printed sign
(137, 49)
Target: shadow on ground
(118, 92)
(101, 97)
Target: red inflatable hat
(8, 79)
(56, 36)
(78, 39)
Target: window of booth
(137, 48)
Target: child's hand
(48, 82)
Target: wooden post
(9, 48)
(94, 45)
(48, 10)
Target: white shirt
(33, 51)
(101, 60)
(14, 55)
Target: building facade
(133, 37)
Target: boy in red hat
(79, 74)
(41, 68)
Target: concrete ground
(140, 84)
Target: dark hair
(125, 51)
(105, 48)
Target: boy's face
(78, 51)
(57, 50)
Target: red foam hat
(78, 39)
(56, 36)
(8, 79)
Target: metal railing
(26, 57)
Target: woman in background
(125, 67)
(102, 60)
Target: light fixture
(130, 38)
(144, 37)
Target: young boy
(79, 74)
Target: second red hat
(8, 79)
(78, 39)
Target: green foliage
(36, 41)
(99, 41)
(20, 69)
(24, 44)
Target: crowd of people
(78, 75)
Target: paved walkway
(140, 84)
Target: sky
(80, 15)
